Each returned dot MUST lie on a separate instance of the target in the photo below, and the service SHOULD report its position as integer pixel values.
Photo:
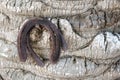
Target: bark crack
(1, 77)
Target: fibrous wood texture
(91, 29)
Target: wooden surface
(91, 29)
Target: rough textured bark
(90, 27)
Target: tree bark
(91, 29)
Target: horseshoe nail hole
(74, 60)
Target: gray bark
(90, 27)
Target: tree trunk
(91, 29)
